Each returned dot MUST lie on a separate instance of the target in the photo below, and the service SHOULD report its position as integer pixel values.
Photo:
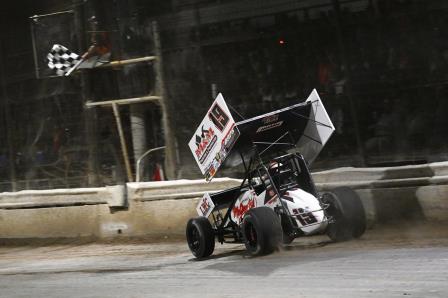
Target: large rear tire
(200, 237)
(347, 211)
(262, 231)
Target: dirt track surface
(403, 261)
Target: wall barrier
(113, 196)
(161, 209)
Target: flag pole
(83, 58)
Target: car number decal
(205, 206)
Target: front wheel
(200, 237)
(262, 231)
(347, 211)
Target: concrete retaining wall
(350, 174)
(113, 196)
(179, 189)
(155, 209)
(162, 209)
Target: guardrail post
(170, 151)
(122, 141)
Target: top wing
(214, 138)
(317, 131)
(304, 127)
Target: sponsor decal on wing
(205, 205)
(214, 138)
(269, 126)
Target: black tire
(200, 237)
(262, 231)
(348, 214)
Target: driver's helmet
(274, 170)
(274, 167)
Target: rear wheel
(262, 231)
(347, 211)
(200, 237)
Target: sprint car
(277, 200)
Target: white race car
(277, 200)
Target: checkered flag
(62, 60)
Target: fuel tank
(306, 210)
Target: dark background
(380, 67)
